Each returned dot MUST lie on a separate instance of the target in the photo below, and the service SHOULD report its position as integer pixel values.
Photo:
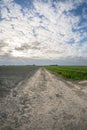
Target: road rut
(44, 102)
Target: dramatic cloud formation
(43, 30)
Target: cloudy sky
(43, 32)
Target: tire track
(44, 102)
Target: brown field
(31, 98)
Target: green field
(70, 72)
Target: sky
(43, 32)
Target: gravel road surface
(44, 102)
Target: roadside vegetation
(70, 72)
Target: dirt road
(44, 102)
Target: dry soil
(45, 102)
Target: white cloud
(51, 27)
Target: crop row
(71, 72)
